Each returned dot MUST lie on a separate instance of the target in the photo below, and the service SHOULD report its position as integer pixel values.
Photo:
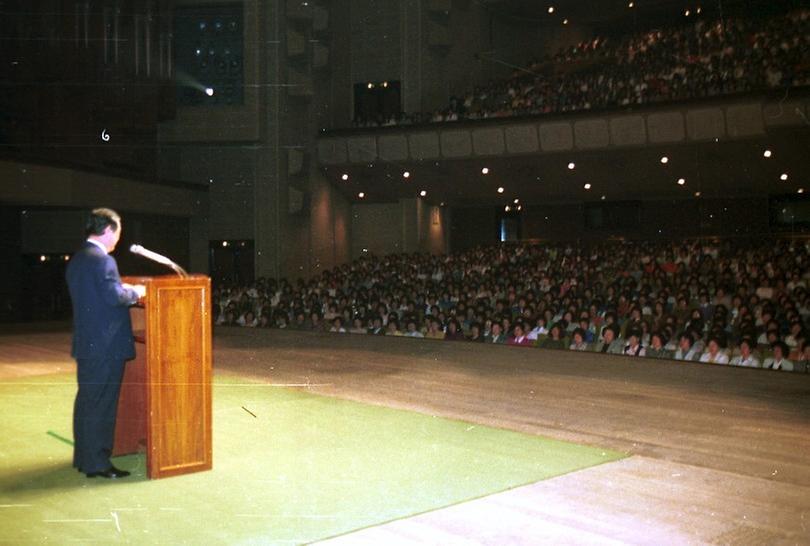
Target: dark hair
(99, 219)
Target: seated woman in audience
(686, 348)
(657, 347)
(475, 333)
(539, 329)
(554, 339)
(578, 342)
(434, 329)
(746, 356)
(519, 336)
(337, 326)
(392, 328)
(714, 354)
(454, 332)
(357, 326)
(634, 346)
(412, 330)
(779, 359)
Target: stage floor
(717, 454)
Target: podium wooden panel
(165, 404)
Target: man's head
(104, 225)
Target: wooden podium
(165, 402)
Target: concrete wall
(670, 219)
(411, 225)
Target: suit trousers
(94, 413)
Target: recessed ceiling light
(406, 174)
(370, 85)
(687, 12)
(767, 153)
(587, 186)
(681, 181)
(664, 160)
(361, 195)
(423, 193)
(520, 207)
(630, 5)
(571, 166)
(800, 190)
(603, 197)
(697, 194)
(517, 201)
(507, 208)
(565, 21)
(783, 177)
(551, 9)
(344, 177)
(485, 170)
(500, 189)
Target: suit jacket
(101, 324)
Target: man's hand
(138, 288)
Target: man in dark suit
(102, 342)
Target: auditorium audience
(732, 302)
(698, 60)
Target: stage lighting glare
(571, 166)
(681, 181)
(500, 189)
(767, 153)
(587, 186)
(209, 91)
(485, 170)
(664, 160)
(344, 177)
(783, 177)
(422, 193)
(361, 195)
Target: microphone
(159, 258)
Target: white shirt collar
(98, 244)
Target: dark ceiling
(716, 169)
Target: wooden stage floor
(718, 455)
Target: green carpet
(306, 467)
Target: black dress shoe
(111, 472)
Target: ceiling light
(507, 208)
(344, 177)
(422, 193)
(485, 170)
(783, 177)
(767, 153)
(551, 9)
(517, 201)
(565, 21)
(697, 194)
(361, 195)
(370, 85)
(686, 13)
(385, 84)
(681, 181)
(630, 5)
(520, 207)
(587, 186)
(209, 91)
(800, 190)
(603, 197)
(500, 189)
(698, 9)
(571, 166)
(406, 174)
(664, 160)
